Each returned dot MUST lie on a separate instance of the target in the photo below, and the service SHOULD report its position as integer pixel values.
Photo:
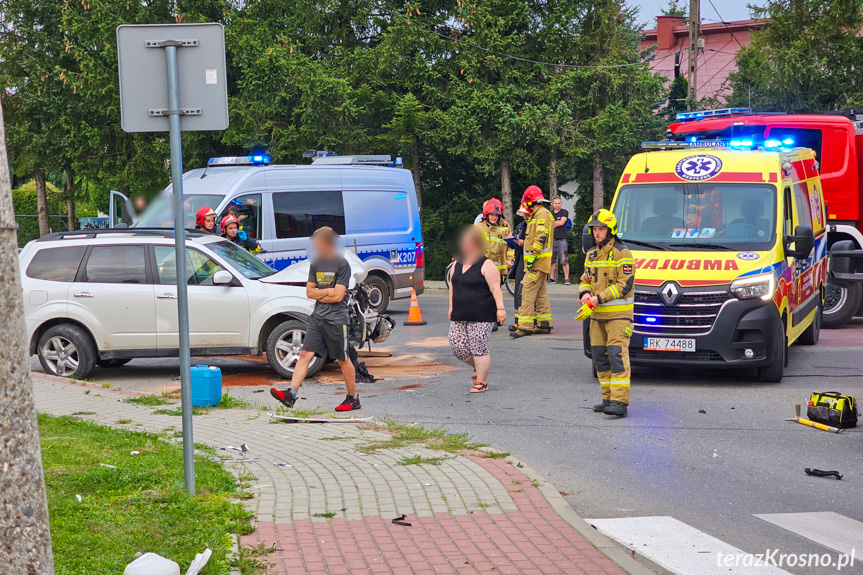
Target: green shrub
(24, 203)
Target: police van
(366, 199)
(730, 249)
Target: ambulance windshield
(702, 216)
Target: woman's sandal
(479, 387)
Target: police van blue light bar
(254, 160)
(708, 114)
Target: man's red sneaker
(286, 397)
(350, 403)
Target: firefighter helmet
(532, 195)
(202, 215)
(605, 218)
(230, 219)
(492, 206)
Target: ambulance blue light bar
(254, 160)
(708, 114)
(740, 144)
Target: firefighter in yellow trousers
(495, 230)
(534, 315)
(607, 286)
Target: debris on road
(199, 562)
(289, 419)
(152, 564)
(701, 411)
(819, 473)
(400, 520)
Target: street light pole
(26, 548)
(694, 36)
(180, 253)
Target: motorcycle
(364, 325)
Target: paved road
(712, 471)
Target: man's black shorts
(327, 340)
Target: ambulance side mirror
(587, 242)
(803, 240)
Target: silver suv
(102, 298)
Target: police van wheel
(774, 371)
(379, 293)
(284, 346)
(841, 303)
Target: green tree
(804, 60)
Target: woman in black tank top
(475, 305)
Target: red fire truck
(837, 140)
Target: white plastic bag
(152, 564)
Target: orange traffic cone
(415, 316)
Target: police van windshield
(159, 214)
(700, 216)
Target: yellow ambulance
(730, 250)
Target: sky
(729, 10)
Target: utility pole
(26, 548)
(694, 39)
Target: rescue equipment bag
(832, 408)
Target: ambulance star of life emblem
(669, 293)
(698, 168)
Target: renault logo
(670, 293)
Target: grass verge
(137, 504)
(406, 435)
(147, 400)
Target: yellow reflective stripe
(544, 316)
(614, 291)
(584, 287)
(628, 307)
(619, 383)
(544, 255)
(496, 239)
(604, 381)
(606, 264)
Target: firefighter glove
(528, 260)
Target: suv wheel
(379, 293)
(65, 350)
(284, 346)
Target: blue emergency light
(650, 319)
(708, 114)
(255, 160)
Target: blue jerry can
(206, 386)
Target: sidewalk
(469, 514)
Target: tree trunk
(506, 190)
(552, 173)
(26, 548)
(42, 201)
(417, 173)
(598, 185)
(70, 200)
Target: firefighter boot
(600, 407)
(522, 331)
(513, 327)
(543, 327)
(616, 408)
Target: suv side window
(247, 209)
(199, 267)
(56, 264)
(116, 265)
(299, 214)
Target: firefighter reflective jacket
(537, 240)
(609, 274)
(495, 242)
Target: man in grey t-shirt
(327, 336)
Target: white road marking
(678, 547)
(830, 529)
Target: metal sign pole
(180, 250)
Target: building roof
(722, 40)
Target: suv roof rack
(358, 160)
(90, 234)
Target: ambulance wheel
(773, 371)
(379, 293)
(841, 303)
(813, 332)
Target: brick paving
(469, 514)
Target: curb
(621, 556)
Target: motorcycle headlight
(760, 286)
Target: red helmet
(202, 214)
(532, 195)
(492, 206)
(229, 219)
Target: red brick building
(715, 60)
